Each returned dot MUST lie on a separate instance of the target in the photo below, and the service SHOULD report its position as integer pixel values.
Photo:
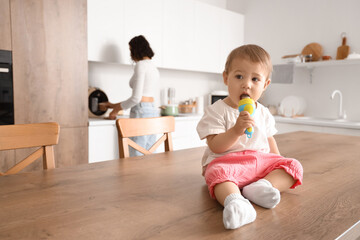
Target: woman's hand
(243, 122)
(113, 114)
(116, 108)
(104, 106)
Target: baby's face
(245, 78)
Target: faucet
(342, 114)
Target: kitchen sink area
(326, 122)
(317, 124)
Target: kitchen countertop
(323, 122)
(102, 121)
(313, 121)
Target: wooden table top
(164, 196)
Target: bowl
(169, 110)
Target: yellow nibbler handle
(247, 104)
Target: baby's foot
(238, 211)
(262, 193)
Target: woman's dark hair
(140, 48)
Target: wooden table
(163, 196)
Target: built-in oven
(6, 88)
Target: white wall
(284, 27)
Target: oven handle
(4, 70)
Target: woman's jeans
(143, 110)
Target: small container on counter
(187, 106)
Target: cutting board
(315, 49)
(343, 50)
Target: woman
(144, 83)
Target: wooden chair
(43, 135)
(132, 127)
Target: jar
(308, 58)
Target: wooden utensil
(315, 49)
(343, 50)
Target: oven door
(6, 91)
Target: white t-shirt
(220, 117)
(144, 82)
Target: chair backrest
(132, 127)
(43, 135)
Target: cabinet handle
(4, 70)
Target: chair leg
(168, 143)
(123, 147)
(48, 157)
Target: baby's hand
(243, 122)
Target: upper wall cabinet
(232, 34)
(179, 35)
(144, 17)
(207, 37)
(5, 27)
(106, 41)
(184, 34)
(112, 23)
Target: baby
(232, 160)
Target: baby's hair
(252, 52)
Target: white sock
(262, 193)
(238, 211)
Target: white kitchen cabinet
(106, 24)
(185, 135)
(184, 34)
(103, 139)
(113, 23)
(144, 17)
(179, 34)
(231, 34)
(207, 37)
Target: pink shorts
(243, 168)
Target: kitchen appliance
(6, 88)
(96, 96)
(216, 95)
(171, 96)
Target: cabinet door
(179, 34)
(5, 27)
(106, 32)
(231, 32)
(144, 17)
(207, 38)
(185, 135)
(103, 143)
